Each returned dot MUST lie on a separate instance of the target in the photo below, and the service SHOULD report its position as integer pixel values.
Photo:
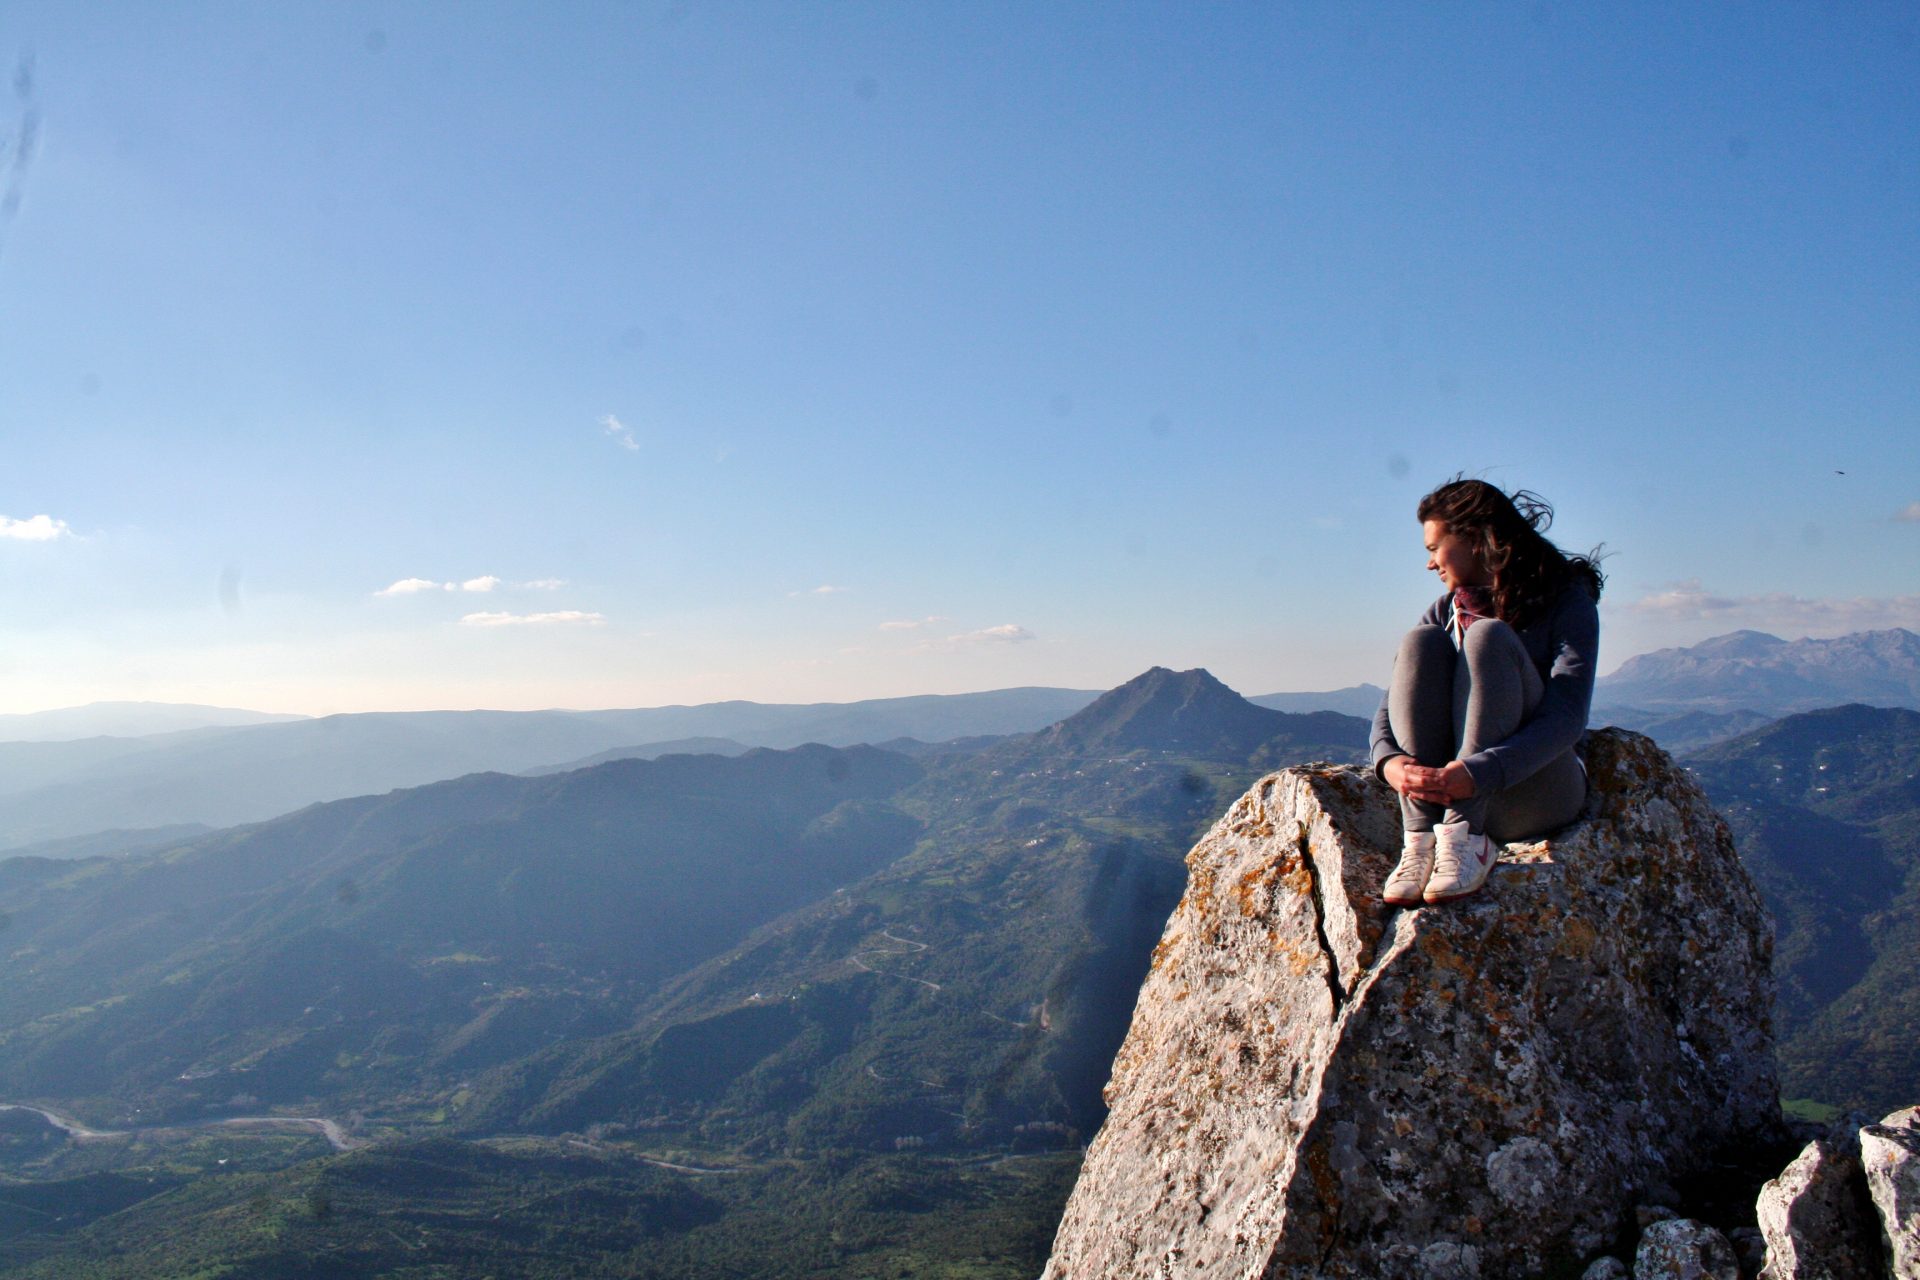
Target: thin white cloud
(411, 587)
(563, 618)
(909, 624)
(621, 433)
(415, 586)
(42, 528)
(1005, 633)
(822, 590)
(544, 584)
(1909, 514)
(1778, 611)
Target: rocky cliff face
(1316, 1085)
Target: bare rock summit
(1317, 1085)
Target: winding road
(336, 1136)
(914, 949)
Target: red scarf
(1470, 603)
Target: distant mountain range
(446, 923)
(217, 776)
(126, 720)
(1751, 671)
(221, 776)
(57, 786)
(1355, 700)
(986, 978)
(648, 751)
(436, 940)
(884, 988)
(853, 974)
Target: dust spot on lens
(347, 894)
(1398, 466)
(1159, 426)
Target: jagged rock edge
(1348, 1001)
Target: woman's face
(1449, 556)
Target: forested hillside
(782, 1013)
(846, 977)
(1826, 809)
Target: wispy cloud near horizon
(411, 587)
(1005, 633)
(825, 589)
(417, 586)
(910, 624)
(1777, 611)
(562, 618)
(1909, 514)
(40, 528)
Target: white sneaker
(1461, 861)
(1409, 876)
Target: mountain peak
(1165, 710)
(1741, 644)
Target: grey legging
(1447, 703)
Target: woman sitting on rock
(1489, 693)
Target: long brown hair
(1505, 531)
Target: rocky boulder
(1682, 1249)
(1316, 1085)
(1817, 1223)
(1890, 1153)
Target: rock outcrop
(1815, 1218)
(1316, 1085)
(1890, 1153)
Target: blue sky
(825, 351)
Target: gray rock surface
(1890, 1152)
(1682, 1249)
(1750, 1247)
(1606, 1269)
(1316, 1085)
(1816, 1224)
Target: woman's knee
(1490, 637)
(1427, 644)
(1496, 657)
